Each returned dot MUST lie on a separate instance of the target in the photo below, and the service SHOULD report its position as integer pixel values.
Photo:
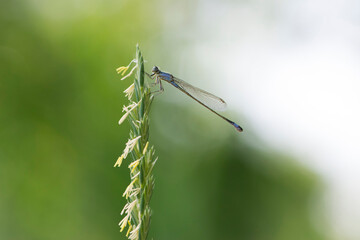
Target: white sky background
(292, 69)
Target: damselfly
(206, 99)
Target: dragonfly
(206, 99)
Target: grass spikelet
(137, 212)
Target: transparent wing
(206, 98)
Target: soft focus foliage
(60, 100)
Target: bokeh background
(289, 71)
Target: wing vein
(205, 97)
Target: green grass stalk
(137, 212)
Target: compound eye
(155, 69)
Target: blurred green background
(60, 100)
